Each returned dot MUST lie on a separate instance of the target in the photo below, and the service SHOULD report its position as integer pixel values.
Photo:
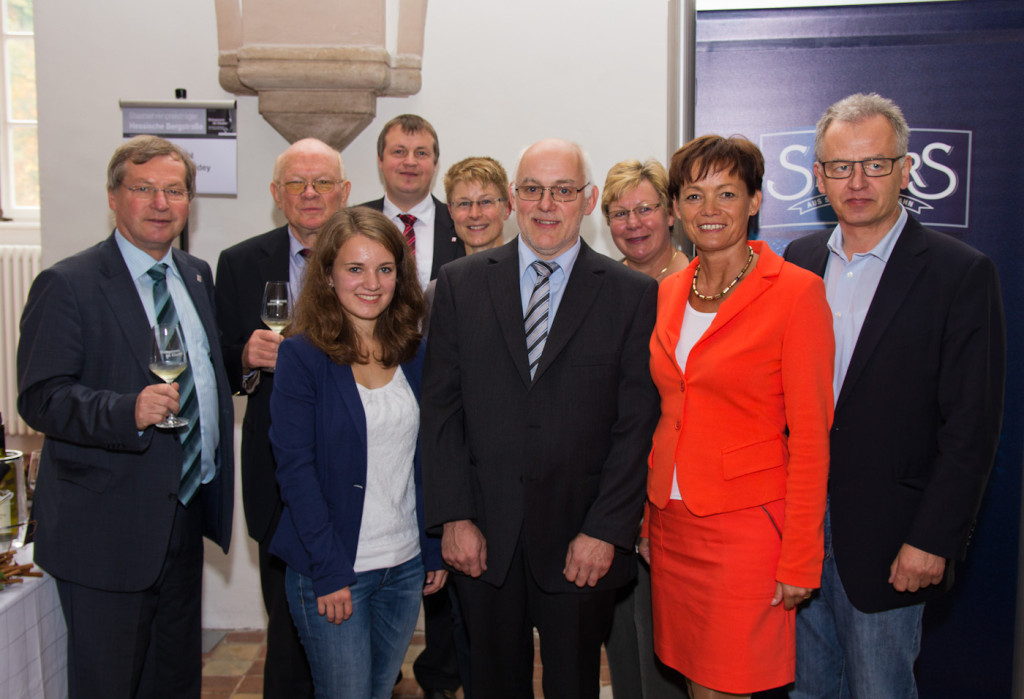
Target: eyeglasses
(559, 192)
(321, 186)
(466, 205)
(642, 211)
(147, 193)
(872, 167)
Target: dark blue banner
(957, 71)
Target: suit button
(677, 425)
(682, 385)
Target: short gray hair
(307, 145)
(859, 107)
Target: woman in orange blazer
(742, 356)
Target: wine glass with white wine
(167, 359)
(277, 306)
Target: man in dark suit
(407, 153)
(920, 367)
(535, 439)
(122, 505)
(308, 186)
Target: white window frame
(20, 215)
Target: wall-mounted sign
(206, 130)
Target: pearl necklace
(726, 290)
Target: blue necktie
(536, 320)
(191, 437)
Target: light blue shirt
(296, 265)
(139, 262)
(850, 285)
(559, 278)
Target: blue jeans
(848, 654)
(360, 657)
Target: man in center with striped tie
(536, 418)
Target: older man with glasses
(122, 503)
(919, 371)
(537, 415)
(308, 186)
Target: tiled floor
(234, 668)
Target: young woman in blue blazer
(345, 425)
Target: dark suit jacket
(447, 245)
(242, 273)
(106, 495)
(563, 454)
(917, 419)
(320, 440)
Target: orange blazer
(748, 423)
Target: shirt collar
(884, 247)
(139, 261)
(295, 248)
(424, 211)
(565, 261)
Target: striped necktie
(410, 232)
(191, 437)
(536, 320)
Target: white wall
(496, 77)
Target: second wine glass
(277, 306)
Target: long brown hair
(319, 315)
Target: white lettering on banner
(792, 167)
(918, 186)
(938, 192)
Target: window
(19, 152)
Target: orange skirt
(712, 581)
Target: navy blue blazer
(318, 430)
(918, 416)
(106, 495)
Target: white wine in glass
(277, 306)
(167, 359)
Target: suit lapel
(120, 292)
(345, 384)
(195, 285)
(503, 286)
(671, 307)
(444, 228)
(905, 264)
(581, 290)
(275, 263)
(818, 256)
(757, 282)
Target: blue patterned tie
(191, 437)
(536, 320)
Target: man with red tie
(407, 153)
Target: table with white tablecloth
(33, 639)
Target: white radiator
(19, 265)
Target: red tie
(410, 233)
